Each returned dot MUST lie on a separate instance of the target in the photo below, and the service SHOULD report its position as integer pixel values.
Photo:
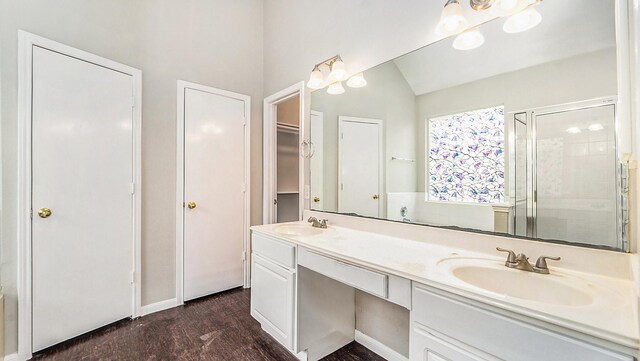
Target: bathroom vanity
(464, 303)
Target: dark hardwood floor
(218, 327)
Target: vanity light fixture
(595, 127)
(522, 21)
(337, 74)
(357, 81)
(468, 40)
(452, 20)
(316, 81)
(573, 130)
(335, 88)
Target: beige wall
(212, 42)
(387, 97)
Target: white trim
(158, 306)
(378, 348)
(381, 171)
(11, 357)
(269, 148)
(26, 42)
(181, 87)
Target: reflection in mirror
(517, 136)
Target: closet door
(82, 164)
(214, 196)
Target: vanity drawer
(279, 252)
(366, 280)
(496, 334)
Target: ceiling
(568, 28)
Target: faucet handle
(323, 223)
(541, 264)
(511, 258)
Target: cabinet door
(427, 347)
(272, 297)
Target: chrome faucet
(316, 223)
(521, 262)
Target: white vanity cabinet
(449, 328)
(273, 283)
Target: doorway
(79, 197)
(284, 154)
(212, 192)
(360, 166)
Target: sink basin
(558, 288)
(297, 230)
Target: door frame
(180, 144)
(381, 186)
(26, 43)
(269, 149)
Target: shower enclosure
(568, 183)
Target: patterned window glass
(466, 157)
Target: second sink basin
(557, 289)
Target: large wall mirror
(519, 136)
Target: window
(466, 157)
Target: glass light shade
(522, 21)
(468, 40)
(338, 71)
(510, 7)
(335, 88)
(452, 20)
(316, 80)
(357, 81)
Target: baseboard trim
(11, 357)
(158, 306)
(378, 348)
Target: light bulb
(510, 7)
(468, 40)
(338, 71)
(357, 81)
(522, 21)
(335, 88)
(595, 127)
(573, 130)
(315, 80)
(452, 20)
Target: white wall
(213, 42)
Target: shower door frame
(531, 168)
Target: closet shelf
(288, 128)
(288, 192)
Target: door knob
(375, 196)
(316, 199)
(44, 213)
(191, 205)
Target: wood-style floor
(218, 327)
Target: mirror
(517, 136)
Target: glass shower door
(575, 176)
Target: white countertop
(613, 318)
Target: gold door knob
(191, 205)
(44, 213)
(376, 197)
(316, 199)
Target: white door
(82, 161)
(317, 160)
(214, 166)
(360, 147)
